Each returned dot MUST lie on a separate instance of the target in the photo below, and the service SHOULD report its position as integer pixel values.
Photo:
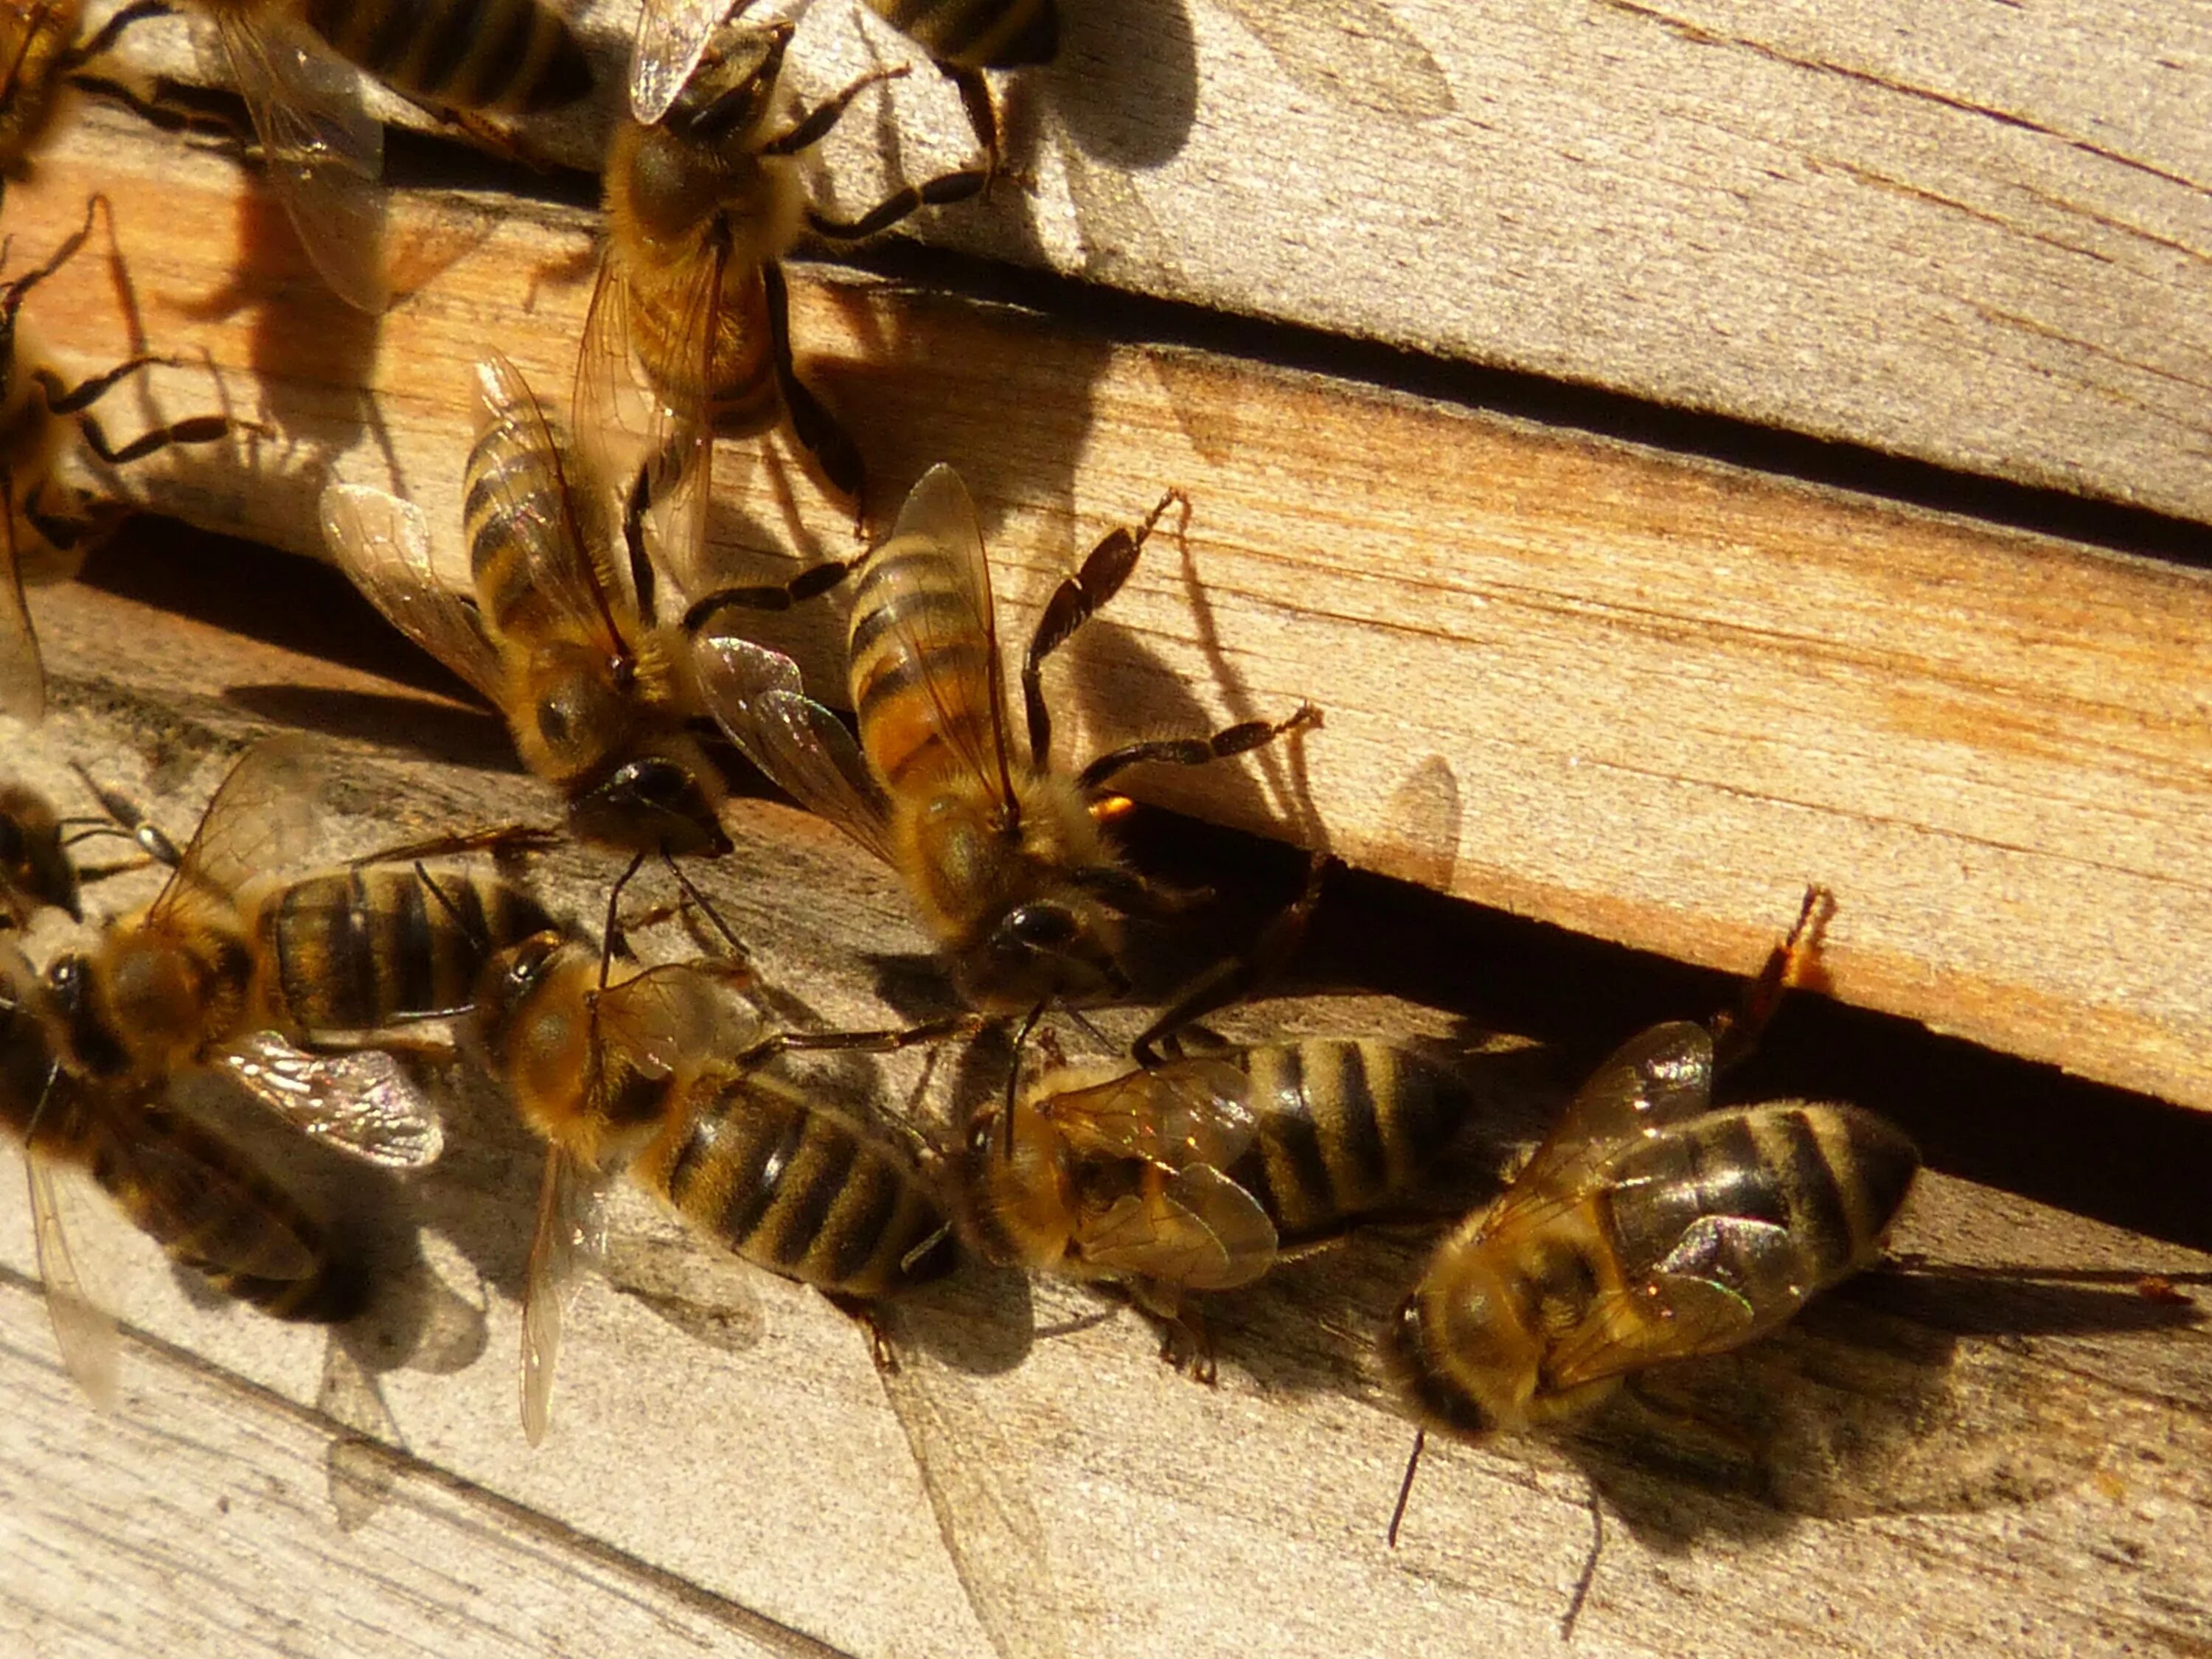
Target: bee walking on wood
(191, 1191)
(49, 526)
(39, 54)
(641, 1073)
(1005, 856)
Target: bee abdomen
(978, 33)
(501, 55)
(910, 704)
(800, 1191)
(1345, 1129)
(515, 490)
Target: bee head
(33, 863)
(656, 802)
(1059, 947)
(1428, 1382)
(734, 88)
(511, 982)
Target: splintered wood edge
(725, 1471)
(1645, 698)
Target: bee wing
(568, 1232)
(262, 818)
(324, 152)
(753, 693)
(84, 1331)
(383, 544)
(362, 1100)
(1200, 1230)
(660, 1018)
(1185, 1112)
(22, 681)
(671, 38)
(931, 579)
(624, 422)
(566, 561)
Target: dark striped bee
(35, 870)
(191, 1191)
(689, 334)
(1199, 1173)
(234, 969)
(963, 38)
(1006, 857)
(1649, 1227)
(641, 1073)
(325, 153)
(49, 526)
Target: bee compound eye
(1042, 927)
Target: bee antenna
(470, 930)
(613, 928)
(691, 892)
(1014, 1069)
(1589, 1568)
(1095, 1034)
(1406, 1486)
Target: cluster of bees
(1649, 1226)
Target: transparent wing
(931, 579)
(83, 1330)
(261, 818)
(22, 680)
(753, 692)
(555, 523)
(568, 1232)
(1200, 1231)
(1698, 1301)
(624, 422)
(661, 1019)
(362, 1101)
(383, 544)
(671, 38)
(1186, 1112)
(324, 152)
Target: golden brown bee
(192, 1192)
(595, 697)
(231, 967)
(1005, 857)
(39, 51)
(324, 153)
(688, 335)
(35, 870)
(1648, 1227)
(50, 526)
(643, 1072)
(1200, 1173)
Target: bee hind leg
(869, 1318)
(1235, 978)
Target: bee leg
(1235, 977)
(810, 583)
(103, 41)
(817, 429)
(1185, 1342)
(72, 534)
(812, 128)
(982, 112)
(1238, 739)
(1736, 1031)
(1074, 603)
(198, 429)
(866, 1316)
(508, 843)
(12, 296)
(946, 188)
(883, 1041)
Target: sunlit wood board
(2003, 1441)
(1972, 234)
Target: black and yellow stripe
(798, 1189)
(913, 705)
(516, 491)
(501, 56)
(977, 33)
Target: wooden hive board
(2004, 1441)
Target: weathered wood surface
(1973, 235)
(1643, 698)
(2006, 1445)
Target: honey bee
(638, 1073)
(324, 153)
(49, 526)
(688, 335)
(1199, 1173)
(191, 1191)
(39, 51)
(1007, 859)
(35, 870)
(1648, 1227)
(233, 968)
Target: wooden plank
(1642, 697)
(1973, 236)
(2007, 1444)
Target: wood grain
(1645, 698)
(2004, 1442)
(1973, 235)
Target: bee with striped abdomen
(1648, 1227)
(641, 1073)
(49, 526)
(1200, 1173)
(190, 1190)
(689, 335)
(1005, 855)
(232, 968)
